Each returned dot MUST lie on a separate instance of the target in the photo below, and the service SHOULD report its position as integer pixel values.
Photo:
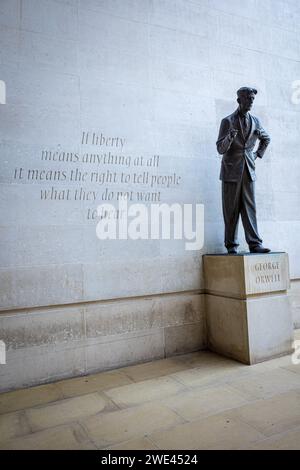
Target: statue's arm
(225, 139)
(264, 140)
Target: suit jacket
(239, 152)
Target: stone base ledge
(44, 345)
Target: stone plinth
(248, 312)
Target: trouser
(239, 198)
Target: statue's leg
(248, 211)
(231, 195)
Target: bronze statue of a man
(237, 138)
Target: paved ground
(195, 401)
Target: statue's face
(246, 101)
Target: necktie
(245, 122)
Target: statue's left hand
(257, 132)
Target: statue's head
(246, 96)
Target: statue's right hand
(233, 133)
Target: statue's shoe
(259, 249)
(232, 251)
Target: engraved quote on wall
(101, 172)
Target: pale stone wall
(158, 75)
(294, 296)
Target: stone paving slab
(215, 432)
(29, 397)
(92, 383)
(112, 428)
(147, 390)
(273, 415)
(71, 437)
(65, 411)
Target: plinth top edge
(246, 254)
